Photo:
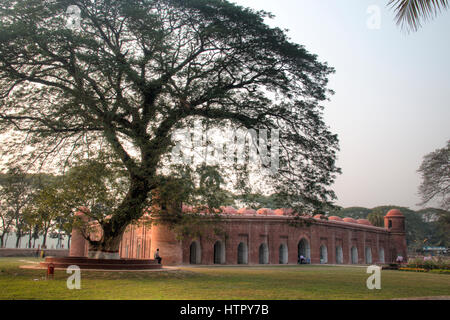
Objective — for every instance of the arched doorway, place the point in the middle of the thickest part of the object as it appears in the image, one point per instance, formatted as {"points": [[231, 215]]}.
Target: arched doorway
{"points": [[303, 249], [195, 253], [283, 254], [339, 255], [263, 254], [242, 253], [219, 252], [323, 254], [381, 255], [368, 254], [354, 255]]}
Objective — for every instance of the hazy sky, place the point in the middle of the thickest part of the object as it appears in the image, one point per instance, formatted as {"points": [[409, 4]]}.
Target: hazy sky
{"points": [[392, 100]]}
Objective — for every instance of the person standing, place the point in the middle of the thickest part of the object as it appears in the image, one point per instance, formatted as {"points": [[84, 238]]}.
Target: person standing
{"points": [[157, 256]]}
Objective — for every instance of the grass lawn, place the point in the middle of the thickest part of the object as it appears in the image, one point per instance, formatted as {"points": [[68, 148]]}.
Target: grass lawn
{"points": [[220, 283]]}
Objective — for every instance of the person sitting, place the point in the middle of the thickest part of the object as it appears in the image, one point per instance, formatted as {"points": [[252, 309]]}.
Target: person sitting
{"points": [[157, 256], [302, 259]]}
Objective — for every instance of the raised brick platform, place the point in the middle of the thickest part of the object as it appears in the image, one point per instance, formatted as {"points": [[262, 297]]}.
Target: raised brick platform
{"points": [[102, 264]]}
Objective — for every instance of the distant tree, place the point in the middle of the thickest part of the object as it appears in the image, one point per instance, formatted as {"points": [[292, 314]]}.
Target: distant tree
{"points": [[376, 218], [443, 226], [410, 13], [352, 212], [6, 222], [137, 70], [16, 193], [435, 172]]}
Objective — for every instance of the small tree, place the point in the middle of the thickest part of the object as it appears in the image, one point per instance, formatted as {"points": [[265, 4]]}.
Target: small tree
{"points": [[16, 192], [6, 223]]}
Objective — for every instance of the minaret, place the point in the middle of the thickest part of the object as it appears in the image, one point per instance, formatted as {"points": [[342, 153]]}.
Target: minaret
{"points": [[394, 222], [78, 244]]}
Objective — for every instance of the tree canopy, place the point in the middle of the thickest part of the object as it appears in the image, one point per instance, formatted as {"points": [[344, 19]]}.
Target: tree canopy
{"points": [[137, 70], [435, 172], [411, 13]]}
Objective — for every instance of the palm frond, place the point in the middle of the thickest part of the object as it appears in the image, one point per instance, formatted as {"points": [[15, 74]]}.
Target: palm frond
{"points": [[410, 13]]}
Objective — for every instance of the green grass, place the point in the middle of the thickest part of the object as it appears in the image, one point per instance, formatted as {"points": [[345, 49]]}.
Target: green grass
{"points": [[220, 283]]}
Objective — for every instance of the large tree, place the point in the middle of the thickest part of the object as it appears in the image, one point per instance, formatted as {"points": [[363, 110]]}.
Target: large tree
{"points": [[136, 70], [435, 173]]}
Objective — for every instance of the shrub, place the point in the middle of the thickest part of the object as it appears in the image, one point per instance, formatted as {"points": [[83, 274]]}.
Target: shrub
{"points": [[413, 269], [434, 263]]}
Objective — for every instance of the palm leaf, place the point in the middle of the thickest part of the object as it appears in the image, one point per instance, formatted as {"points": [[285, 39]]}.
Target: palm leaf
{"points": [[410, 13]]}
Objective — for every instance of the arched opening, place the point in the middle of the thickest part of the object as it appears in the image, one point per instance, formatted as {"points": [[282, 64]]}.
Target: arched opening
{"points": [[242, 253], [381, 254], [263, 254], [323, 254], [354, 255], [339, 255], [219, 252], [283, 254], [195, 256], [368, 254], [303, 250], [138, 251]]}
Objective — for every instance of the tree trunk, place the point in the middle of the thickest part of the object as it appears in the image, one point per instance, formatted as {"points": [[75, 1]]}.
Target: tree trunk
{"points": [[18, 237], [106, 249], [112, 231], [44, 240], [29, 238], [1, 240], [68, 241]]}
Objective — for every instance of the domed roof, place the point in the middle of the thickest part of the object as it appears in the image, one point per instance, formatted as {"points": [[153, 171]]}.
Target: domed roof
{"points": [[246, 211], [348, 219], [264, 211], [228, 210], [364, 221], [394, 213], [335, 218], [319, 216], [186, 208], [283, 211]]}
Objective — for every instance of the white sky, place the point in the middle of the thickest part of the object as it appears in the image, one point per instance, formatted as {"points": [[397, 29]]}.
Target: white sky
{"points": [[392, 101]]}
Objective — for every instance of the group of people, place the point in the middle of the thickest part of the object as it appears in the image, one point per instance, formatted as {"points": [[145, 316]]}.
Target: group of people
{"points": [[303, 260]]}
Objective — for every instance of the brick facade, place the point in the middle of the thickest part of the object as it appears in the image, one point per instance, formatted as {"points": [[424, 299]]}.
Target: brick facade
{"points": [[256, 238]]}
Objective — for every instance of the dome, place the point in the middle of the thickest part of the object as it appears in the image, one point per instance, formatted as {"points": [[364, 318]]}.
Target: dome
{"points": [[283, 212], [335, 218], [364, 221], [394, 213], [348, 219], [264, 211], [246, 211], [228, 210]]}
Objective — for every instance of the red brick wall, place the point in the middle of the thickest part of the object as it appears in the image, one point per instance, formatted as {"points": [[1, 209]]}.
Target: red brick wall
{"points": [[142, 241]]}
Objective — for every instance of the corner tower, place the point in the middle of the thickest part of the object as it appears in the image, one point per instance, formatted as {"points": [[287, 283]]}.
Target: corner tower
{"points": [[394, 222]]}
